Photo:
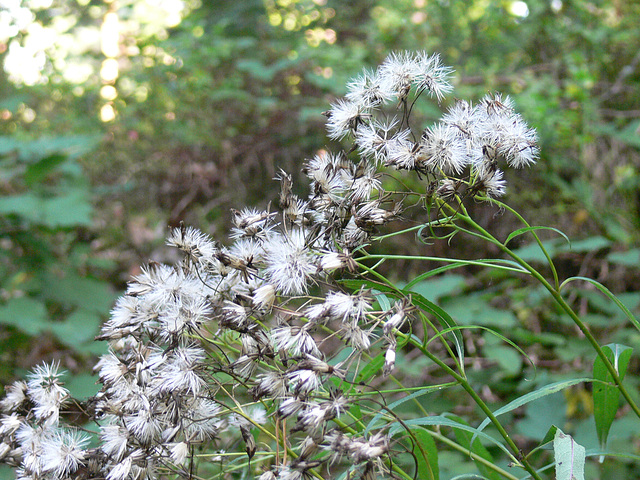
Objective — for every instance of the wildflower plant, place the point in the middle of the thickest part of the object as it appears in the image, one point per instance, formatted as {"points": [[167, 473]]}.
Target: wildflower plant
{"points": [[271, 354]]}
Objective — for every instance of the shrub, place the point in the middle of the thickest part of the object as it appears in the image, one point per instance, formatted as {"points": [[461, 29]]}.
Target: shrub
{"points": [[276, 356]]}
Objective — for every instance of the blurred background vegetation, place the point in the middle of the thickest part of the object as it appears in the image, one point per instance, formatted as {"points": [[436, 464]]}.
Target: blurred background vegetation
{"points": [[119, 118]]}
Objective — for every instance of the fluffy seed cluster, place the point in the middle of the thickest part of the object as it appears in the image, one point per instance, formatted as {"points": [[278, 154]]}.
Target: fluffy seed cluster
{"points": [[256, 341]]}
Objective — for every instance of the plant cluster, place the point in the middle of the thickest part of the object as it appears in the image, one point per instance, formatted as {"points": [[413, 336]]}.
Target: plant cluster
{"points": [[274, 355]]}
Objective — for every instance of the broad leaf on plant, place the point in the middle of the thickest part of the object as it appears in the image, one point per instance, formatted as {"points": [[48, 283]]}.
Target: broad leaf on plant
{"points": [[569, 457], [605, 395]]}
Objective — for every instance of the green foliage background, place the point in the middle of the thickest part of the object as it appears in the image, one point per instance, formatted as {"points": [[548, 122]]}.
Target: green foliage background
{"points": [[208, 112]]}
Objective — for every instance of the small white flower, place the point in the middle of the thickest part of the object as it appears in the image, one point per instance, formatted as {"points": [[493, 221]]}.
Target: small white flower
{"points": [[179, 452], [362, 450], [489, 181], [64, 452], [443, 150], [257, 415], [373, 139], [144, 425], [114, 441], [268, 475], [345, 117], [111, 369], [290, 406], [304, 381], [353, 236], [290, 263], [16, 394], [9, 424], [389, 359], [356, 337], [398, 72], [432, 75], [362, 182], [183, 318], [202, 420], [245, 365], [251, 223], [121, 470], [178, 374], [367, 90], [264, 296], [271, 384], [45, 389], [402, 152], [192, 241], [518, 144], [295, 340], [288, 473]]}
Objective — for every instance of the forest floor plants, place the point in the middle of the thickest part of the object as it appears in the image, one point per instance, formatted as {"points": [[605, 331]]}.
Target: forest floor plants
{"points": [[273, 354]]}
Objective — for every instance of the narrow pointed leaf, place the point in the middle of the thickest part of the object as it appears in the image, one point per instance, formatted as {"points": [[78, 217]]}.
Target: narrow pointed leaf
{"points": [[469, 476], [531, 396], [464, 438], [521, 231], [397, 427], [445, 321], [547, 441], [392, 406], [609, 295]]}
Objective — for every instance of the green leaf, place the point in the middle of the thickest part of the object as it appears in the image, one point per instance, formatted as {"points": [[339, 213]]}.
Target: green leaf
{"points": [[38, 171], [382, 299], [470, 476], [533, 253], [82, 386], [590, 244], [73, 290], [397, 403], [531, 396], [397, 427], [546, 442], [605, 395], [68, 210], [374, 366], [432, 273], [440, 287], [475, 309], [26, 314], [464, 438], [444, 319], [78, 329], [26, 205], [630, 258], [33, 150], [509, 360], [426, 454], [608, 294], [521, 231], [356, 285], [569, 457]]}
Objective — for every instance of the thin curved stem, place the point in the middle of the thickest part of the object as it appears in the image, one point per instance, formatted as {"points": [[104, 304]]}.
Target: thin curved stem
{"points": [[557, 296], [464, 383], [537, 239]]}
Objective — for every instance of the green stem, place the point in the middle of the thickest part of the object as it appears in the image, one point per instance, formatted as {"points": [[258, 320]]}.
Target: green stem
{"points": [[474, 456], [390, 284], [478, 263], [537, 239], [518, 457], [555, 293], [463, 382]]}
